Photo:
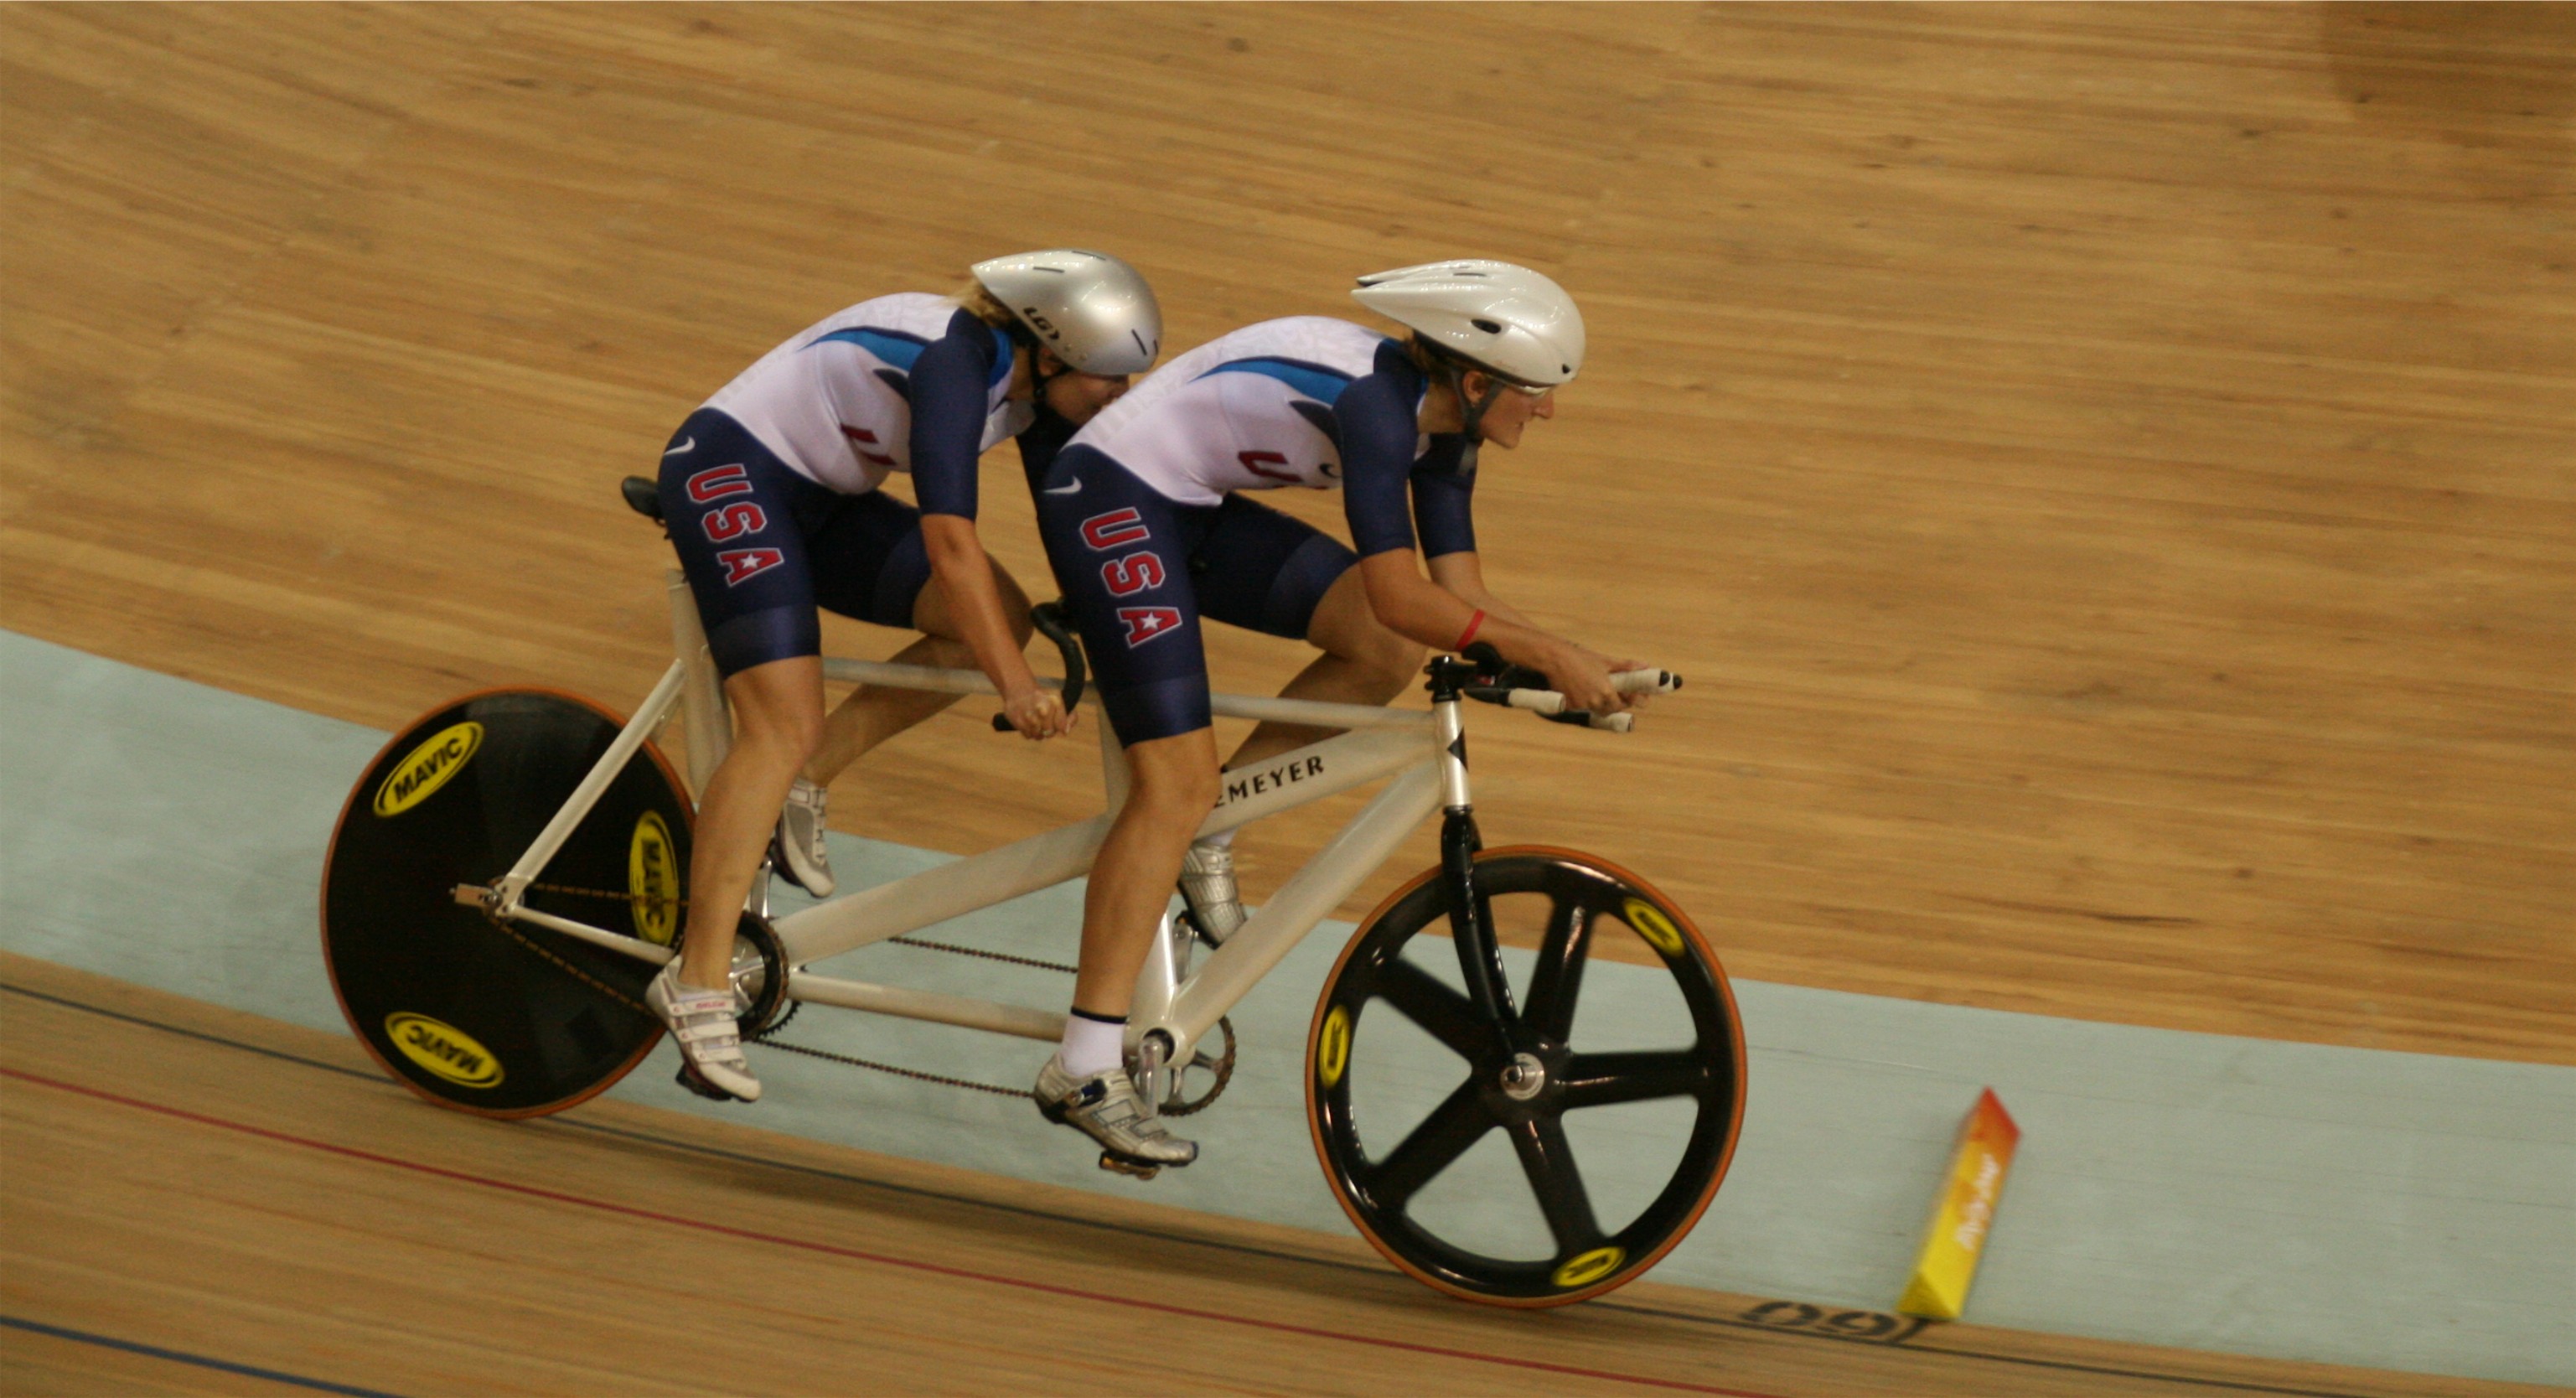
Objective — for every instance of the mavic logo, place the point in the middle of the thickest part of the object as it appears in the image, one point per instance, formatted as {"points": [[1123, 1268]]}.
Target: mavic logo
{"points": [[427, 768], [443, 1049]]}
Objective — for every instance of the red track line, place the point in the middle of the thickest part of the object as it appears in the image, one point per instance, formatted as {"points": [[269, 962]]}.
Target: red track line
{"points": [[881, 1259]]}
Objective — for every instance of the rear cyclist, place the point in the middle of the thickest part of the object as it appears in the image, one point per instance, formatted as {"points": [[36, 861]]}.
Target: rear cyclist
{"points": [[770, 492], [1148, 529]]}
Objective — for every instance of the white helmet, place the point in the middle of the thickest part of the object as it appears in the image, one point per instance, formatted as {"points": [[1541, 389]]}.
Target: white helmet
{"points": [[1093, 310], [1496, 316]]}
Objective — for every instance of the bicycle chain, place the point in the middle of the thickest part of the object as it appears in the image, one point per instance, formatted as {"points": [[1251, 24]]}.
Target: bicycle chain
{"points": [[1224, 1072], [586, 978], [890, 1068]]}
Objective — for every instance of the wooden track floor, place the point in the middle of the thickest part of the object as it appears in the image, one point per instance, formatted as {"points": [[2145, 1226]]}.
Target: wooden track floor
{"points": [[2105, 469], [236, 1189]]}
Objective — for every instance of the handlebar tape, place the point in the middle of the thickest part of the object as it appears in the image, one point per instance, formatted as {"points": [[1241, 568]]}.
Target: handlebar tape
{"points": [[1584, 718], [1548, 703]]}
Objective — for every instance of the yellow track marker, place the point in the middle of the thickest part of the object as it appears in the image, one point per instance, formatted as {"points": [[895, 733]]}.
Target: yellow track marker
{"points": [[1964, 1213]]}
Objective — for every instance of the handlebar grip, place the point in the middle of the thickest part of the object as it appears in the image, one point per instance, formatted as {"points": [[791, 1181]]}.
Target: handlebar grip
{"points": [[1645, 681], [1585, 718], [1537, 701]]}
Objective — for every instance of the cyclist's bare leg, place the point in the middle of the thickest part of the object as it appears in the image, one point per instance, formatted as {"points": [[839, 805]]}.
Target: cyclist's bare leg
{"points": [[1174, 785], [778, 717], [1363, 663], [871, 714]]}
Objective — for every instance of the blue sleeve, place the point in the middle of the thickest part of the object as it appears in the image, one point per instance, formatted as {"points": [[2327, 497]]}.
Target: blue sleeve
{"points": [[1444, 499], [1375, 426], [1046, 436], [950, 384]]}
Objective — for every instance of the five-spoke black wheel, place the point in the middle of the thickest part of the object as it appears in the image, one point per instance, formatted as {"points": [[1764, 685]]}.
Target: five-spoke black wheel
{"points": [[515, 1020], [1552, 1145]]}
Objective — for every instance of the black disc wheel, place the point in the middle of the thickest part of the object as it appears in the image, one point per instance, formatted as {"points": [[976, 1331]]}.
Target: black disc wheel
{"points": [[1559, 1144], [501, 1020]]}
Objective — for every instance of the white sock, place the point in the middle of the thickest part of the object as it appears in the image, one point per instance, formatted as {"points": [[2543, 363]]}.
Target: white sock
{"points": [[1223, 839], [1092, 1046]]}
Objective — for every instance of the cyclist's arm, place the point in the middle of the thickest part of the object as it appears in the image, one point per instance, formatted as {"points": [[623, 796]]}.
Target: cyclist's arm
{"points": [[1463, 577], [1423, 611], [1444, 509], [1376, 423], [950, 386]]}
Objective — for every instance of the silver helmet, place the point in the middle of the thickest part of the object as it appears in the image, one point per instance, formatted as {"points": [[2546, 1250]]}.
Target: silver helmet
{"points": [[1496, 316], [1095, 312]]}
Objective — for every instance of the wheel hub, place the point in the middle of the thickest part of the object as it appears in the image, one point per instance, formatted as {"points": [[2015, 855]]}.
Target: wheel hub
{"points": [[1524, 1077]]}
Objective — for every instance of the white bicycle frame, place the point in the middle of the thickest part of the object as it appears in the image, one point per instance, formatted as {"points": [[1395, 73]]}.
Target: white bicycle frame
{"points": [[1175, 1001]]}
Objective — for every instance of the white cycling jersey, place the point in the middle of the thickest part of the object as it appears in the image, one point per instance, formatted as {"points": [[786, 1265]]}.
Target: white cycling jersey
{"points": [[1250, 410], [835, 401]]}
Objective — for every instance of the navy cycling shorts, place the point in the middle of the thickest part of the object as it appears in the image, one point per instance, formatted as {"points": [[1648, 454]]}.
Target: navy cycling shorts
{"points": [[1140, 570], [764, 546]]}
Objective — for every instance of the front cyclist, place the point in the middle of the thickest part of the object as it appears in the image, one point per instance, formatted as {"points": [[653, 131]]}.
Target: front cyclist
{"points": [[770, 492], [1148, 529]]}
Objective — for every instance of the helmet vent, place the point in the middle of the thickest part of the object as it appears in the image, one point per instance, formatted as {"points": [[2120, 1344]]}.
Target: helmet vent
{"points": [[1490, 327]]}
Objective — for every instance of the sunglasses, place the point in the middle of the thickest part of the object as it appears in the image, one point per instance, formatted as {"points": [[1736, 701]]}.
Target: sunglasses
{"points": [[1526, 390]]}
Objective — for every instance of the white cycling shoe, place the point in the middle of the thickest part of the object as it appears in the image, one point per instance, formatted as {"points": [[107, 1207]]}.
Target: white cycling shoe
{"points": [[801, 854], [1207, 888], [1106, 1108], [702, 1022]]}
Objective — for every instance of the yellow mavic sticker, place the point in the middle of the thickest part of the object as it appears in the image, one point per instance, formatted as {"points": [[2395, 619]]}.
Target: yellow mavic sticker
{"points": [[1333, 1047], [1588, 1268], [426, 768], [653, 880], [444, 1049], [1651, 924]]}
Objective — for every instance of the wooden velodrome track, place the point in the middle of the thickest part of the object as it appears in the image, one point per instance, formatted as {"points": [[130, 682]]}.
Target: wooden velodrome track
{"points": [[2105, 471]]}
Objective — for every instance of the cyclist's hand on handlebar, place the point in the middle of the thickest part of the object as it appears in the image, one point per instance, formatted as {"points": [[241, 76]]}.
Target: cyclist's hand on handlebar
{"points": [[1636, 698], [1583, 677], [1038, 714]]}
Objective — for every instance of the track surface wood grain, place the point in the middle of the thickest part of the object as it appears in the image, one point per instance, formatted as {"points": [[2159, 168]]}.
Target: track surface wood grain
{"points": [[2104, 469], [207, 1182]]}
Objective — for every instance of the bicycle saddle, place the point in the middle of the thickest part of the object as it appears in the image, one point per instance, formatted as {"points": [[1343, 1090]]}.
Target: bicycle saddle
{"points": [[642, 496]]}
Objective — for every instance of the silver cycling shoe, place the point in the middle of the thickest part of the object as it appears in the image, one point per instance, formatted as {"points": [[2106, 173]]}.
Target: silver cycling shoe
{"points": [[1207, 887], [703, 1023], [799, 846], [1106, 1108]]}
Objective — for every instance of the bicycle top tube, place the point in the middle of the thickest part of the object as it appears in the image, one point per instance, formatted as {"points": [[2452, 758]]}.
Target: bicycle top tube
{"points": [[1312, 712]]}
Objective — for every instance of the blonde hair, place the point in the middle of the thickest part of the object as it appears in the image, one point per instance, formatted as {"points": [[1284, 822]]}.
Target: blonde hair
{"points": [[1438, 361], [975, 301]]}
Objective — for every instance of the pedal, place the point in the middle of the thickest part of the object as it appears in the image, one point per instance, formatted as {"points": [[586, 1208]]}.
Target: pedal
{"points": [[688, 1078], [1121, 1165]]}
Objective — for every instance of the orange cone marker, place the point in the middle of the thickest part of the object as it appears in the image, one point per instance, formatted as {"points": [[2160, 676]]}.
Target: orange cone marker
{"points": [[1964, 1214]]}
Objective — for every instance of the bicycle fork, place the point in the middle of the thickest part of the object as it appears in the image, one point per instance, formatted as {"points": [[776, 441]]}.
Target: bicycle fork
{"points": [[1471, 928]]}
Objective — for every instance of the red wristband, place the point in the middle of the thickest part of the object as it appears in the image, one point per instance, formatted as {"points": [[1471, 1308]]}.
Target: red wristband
{"points": [[1474, 623]]}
